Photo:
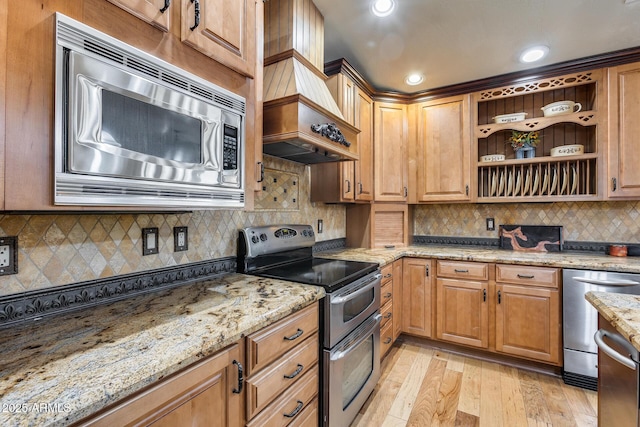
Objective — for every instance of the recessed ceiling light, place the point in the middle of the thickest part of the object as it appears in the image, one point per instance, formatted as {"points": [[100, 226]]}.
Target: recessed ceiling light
{"points": [[534, 54], [382, 7], [414, 79]]}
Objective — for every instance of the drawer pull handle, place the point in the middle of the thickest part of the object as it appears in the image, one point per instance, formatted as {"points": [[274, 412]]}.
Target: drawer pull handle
{"points": [[196, 15], [295, 373], [388, 315], [240, 377], [295, 411], [388, 295], [388, 276], [526, 276], [294, 336], [461, 271], [388, 340]]}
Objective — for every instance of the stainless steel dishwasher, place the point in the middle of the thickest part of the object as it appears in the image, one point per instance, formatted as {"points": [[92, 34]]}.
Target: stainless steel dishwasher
{"points": [[580, 320]]}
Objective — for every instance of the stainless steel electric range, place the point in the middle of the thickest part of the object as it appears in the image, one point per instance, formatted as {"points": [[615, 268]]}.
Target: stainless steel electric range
{"points": [[349, 315]]}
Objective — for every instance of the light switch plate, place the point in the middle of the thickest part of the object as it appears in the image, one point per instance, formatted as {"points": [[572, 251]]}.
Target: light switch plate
{"points": [[150, 241], [180, 239]]}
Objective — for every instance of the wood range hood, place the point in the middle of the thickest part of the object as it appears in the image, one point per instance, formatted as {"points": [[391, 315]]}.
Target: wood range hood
{"points": [[301, 122]]}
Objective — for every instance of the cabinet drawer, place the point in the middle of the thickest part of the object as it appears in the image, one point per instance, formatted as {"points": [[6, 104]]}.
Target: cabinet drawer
{"points": [[280, 412], [286, 371], [386, 293], [387, 273], [387, 313], [308, 417], [264, 346], [386, 339], [463, 270], [526, 275]]}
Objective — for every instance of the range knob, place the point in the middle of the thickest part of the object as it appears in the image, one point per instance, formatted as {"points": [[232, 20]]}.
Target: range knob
{"points": [[254, 239], [305, 232], [263, 237], [311, 233]]}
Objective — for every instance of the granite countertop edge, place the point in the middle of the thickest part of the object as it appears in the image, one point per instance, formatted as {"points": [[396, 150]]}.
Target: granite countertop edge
{"points": [[621, 310], [85, 361], [578, 260]]}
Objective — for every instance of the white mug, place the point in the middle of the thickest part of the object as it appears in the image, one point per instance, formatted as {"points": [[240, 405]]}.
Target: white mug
{"points": [[561, 107]]}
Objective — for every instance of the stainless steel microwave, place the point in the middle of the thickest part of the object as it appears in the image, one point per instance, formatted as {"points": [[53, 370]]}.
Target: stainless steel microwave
{"points": [[133, 130]]}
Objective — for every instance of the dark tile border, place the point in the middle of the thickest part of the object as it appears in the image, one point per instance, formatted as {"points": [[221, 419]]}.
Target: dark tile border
{"points": [[329, 245], [568, 246], [33, 305]]}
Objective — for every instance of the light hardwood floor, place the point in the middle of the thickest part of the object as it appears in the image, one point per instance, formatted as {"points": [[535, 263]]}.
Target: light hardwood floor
{"points": [[422, 386]]}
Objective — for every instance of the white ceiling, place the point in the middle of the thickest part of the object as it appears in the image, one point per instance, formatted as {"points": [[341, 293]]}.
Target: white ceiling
{"points": [[456, 41]]}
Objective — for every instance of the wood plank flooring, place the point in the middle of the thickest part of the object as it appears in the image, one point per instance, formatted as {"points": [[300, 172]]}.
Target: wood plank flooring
{"points": [[422, 386]]}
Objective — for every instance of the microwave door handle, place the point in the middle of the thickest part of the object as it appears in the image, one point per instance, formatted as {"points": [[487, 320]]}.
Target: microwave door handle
{"points": [[602, 282], [599, 338], [342, 299], [344, 353]]}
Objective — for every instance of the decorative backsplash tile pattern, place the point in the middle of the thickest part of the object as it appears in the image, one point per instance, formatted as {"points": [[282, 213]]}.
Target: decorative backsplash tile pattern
{"points": [[582, 221], [59, 249]]}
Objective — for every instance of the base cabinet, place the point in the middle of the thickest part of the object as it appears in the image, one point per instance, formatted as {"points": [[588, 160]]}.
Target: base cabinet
{"points": [[204, 395], [418, 296]]}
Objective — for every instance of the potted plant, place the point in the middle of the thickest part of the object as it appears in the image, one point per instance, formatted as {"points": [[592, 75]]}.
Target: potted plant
{"points": [[524, 143]]}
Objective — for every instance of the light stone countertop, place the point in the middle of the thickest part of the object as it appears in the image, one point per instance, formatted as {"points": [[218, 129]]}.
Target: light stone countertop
{"points": [[584, 261], [621, 310], [80, 362]]}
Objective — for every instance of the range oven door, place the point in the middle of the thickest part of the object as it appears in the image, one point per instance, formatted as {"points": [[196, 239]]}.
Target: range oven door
{"points": [[351, 372], [348, 307]]}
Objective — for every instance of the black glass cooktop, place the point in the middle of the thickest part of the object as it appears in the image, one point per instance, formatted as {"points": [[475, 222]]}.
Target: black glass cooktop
{"points": [[332, 274]]}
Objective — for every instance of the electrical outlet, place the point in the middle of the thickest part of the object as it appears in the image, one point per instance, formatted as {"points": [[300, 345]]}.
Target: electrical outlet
{"points": [[150, 241], [180, 239], [8, 255], [491, 224], [320, 226]]}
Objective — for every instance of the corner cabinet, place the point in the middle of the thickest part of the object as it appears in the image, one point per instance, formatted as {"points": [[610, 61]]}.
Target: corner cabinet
{"points": [[549, 176], [390, 152], [440, 146], [624, 132], [349, 181]]}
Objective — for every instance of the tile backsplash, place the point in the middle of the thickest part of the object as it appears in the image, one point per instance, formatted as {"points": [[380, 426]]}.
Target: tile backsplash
{"points": [[58, 249], [582, 221]]}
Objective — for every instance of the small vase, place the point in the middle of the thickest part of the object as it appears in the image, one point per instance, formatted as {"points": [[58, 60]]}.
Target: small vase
{"points": [[526, 152]]}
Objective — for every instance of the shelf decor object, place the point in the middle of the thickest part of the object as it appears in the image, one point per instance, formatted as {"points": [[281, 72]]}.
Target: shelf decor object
{"points": [[567, 150], [524, 143], [510, 118], [561, 107]]}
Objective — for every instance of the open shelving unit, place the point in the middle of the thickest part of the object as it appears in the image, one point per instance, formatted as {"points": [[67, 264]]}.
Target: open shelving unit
{"points": [[542, 178]]}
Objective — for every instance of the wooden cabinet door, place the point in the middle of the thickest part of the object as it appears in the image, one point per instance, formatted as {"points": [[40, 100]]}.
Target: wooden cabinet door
{"points": [[528, 322], [364, 167], [223, 30], [397, 298], [624, 132], [390, 147], [154, 12], [443, 167], [417, 296], [200, 396], [463, 312]]}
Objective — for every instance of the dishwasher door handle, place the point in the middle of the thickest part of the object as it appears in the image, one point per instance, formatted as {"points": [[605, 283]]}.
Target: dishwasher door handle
{"points": [[602, 282], [624, 360]]}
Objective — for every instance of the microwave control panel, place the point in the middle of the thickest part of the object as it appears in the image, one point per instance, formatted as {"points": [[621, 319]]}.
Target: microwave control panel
{"points": [[230, 148]]}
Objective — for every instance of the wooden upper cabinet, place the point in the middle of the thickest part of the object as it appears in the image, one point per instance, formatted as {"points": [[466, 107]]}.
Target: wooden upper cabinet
{"points": [[351, 180], [364, 167], [223, 30], [442, 147], [154, 12], [390, 152], [624, 132]]}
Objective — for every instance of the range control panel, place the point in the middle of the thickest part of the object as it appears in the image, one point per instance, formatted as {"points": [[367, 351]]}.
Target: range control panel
{"points": [[276, 238]]}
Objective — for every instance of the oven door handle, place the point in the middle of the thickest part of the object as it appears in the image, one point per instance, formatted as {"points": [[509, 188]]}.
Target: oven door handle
{"points": [[339, 299], [626, 361], [344, 353]]}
